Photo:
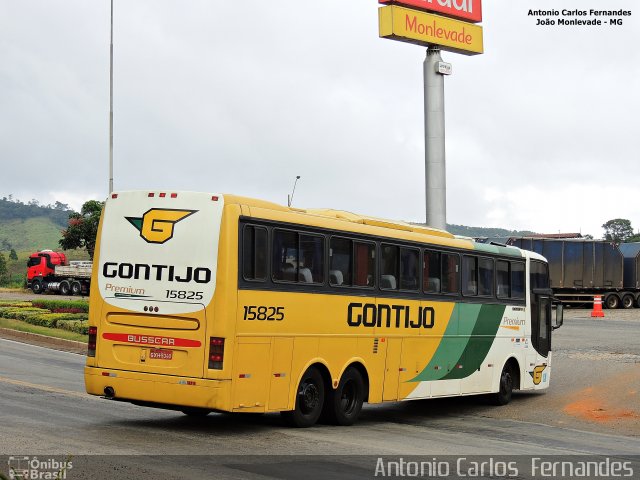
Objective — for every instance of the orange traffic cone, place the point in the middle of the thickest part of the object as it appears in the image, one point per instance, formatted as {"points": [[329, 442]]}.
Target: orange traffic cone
{"points": [[597, 307]]}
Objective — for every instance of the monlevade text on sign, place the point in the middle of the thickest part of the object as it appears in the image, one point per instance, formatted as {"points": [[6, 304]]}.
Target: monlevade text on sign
{"points": [[426, 29]]}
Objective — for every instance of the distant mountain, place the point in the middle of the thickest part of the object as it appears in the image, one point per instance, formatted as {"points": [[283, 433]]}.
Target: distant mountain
{"points": [[31, 226], [486, 232]]}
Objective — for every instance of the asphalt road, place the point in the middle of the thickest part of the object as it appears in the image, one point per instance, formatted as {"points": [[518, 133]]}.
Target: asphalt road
{"points": [[591, 408]]}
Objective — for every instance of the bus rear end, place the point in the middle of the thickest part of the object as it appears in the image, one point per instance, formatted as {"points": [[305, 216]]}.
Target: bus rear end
{"points": [[154, 278]]}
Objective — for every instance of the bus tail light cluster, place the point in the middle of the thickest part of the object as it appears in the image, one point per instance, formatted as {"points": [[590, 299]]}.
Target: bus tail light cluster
{"points": [[91, 344], [216, 353]]}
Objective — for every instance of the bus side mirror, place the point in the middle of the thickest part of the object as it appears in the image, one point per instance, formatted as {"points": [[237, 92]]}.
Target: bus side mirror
{"points": [[558, 320]]}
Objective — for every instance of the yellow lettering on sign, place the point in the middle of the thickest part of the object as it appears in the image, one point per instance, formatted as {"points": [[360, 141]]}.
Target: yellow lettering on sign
{"points": [[426, 29]]}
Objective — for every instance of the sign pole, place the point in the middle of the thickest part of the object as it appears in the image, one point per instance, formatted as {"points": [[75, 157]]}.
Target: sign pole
{"points": [[435, 167]]}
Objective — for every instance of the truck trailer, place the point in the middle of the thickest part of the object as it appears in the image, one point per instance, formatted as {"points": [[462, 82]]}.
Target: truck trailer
{"points": [[579, 269]]}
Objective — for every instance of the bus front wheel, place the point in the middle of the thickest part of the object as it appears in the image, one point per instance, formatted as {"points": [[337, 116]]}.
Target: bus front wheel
{"points": [[503, 396], [309, 400], [343, 404]]}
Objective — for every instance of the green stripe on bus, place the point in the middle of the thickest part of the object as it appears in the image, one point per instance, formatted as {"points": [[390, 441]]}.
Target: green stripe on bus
{"points": [[453, 344], [477, 348]]}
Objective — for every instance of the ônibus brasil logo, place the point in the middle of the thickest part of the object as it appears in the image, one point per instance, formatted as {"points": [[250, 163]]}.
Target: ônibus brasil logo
{"points": [[156, 225]]}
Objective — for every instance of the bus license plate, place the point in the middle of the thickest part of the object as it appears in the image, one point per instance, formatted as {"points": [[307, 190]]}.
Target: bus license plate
{"points": [[160, 354]]}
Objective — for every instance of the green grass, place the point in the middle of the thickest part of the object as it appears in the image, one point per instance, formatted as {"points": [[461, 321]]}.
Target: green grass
{"points": [[31, 234], [49, 332]]}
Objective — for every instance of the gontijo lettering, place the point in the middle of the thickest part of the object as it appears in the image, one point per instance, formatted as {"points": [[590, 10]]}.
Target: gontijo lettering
{"points": [[390, 316]]}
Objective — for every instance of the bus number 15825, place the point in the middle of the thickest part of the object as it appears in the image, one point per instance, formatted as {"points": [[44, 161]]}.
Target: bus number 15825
{"points": [[254, 312]]}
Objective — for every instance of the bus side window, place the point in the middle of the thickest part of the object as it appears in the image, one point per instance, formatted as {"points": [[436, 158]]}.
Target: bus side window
{"points": [[431, 272], [517, 280], [340, 261], [503, 277], [311, 259], [450, 273], [485, 277], [284, 267], [389, 267], [364, 264], [409, 259], [254, 253], [469, 275]]}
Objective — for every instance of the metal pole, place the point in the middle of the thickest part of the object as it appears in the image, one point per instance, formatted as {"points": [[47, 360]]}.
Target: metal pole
{"points": [[111, 105], [435, 166], [290, 197]]}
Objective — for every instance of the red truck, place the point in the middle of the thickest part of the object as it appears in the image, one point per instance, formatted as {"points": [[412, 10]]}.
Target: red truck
{"points": [[49, 271]]}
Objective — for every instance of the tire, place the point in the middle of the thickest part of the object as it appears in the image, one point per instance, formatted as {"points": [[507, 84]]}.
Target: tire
{"points": [[309, 400], [628, 301], [76, 288], [36, 287], [64, 288], [503, 396], [612, 302], [343, 405], [196, 412]]}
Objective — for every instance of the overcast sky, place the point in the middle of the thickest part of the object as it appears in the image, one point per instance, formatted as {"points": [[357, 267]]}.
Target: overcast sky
{"points": [[542, 131]]}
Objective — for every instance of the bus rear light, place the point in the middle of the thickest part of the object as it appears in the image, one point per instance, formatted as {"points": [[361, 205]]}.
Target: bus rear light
{"points": [[114, 195], [162, 195], [216, 353], [91, 344], [174, 195], [214, 198], [151, 195]]}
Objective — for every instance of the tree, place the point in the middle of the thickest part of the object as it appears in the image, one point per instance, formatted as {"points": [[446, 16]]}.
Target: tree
{"points": [[3, 269], [82, 229], [617, 230], [13, 255]]}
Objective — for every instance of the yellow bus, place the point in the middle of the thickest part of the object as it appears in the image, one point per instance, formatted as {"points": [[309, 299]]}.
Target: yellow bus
{"points": [[206, 302]]}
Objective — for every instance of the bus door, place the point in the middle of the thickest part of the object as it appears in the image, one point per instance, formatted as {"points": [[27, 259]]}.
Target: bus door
{"points": [[541, 321], [541, 296]]}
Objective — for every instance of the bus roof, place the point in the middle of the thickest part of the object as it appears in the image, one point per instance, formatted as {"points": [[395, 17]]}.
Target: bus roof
{"points": [[359, 223]]}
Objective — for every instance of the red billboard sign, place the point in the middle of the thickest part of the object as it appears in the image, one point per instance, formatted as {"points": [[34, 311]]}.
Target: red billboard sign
{"points": [[468, 10]]}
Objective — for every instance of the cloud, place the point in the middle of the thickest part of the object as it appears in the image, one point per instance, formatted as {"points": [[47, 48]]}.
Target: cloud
{"points": [[243, 96]]}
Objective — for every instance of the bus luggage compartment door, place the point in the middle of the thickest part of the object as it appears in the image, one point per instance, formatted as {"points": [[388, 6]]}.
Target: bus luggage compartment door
{"points": [[251, 374]]}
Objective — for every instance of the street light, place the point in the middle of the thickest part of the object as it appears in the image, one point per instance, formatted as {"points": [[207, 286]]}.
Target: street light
{"points": [[290, 197], [111, 105]]}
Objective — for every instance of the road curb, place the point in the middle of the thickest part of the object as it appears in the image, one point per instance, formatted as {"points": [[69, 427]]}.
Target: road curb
{"points": [[44, 341]]}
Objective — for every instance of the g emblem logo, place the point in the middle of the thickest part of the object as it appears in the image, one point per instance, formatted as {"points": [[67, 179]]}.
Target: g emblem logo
{"points": [[537, 374], [156, 225]]}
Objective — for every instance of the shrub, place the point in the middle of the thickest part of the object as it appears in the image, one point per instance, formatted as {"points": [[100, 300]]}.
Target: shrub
{"points": [[54, 305], [77, 326]]}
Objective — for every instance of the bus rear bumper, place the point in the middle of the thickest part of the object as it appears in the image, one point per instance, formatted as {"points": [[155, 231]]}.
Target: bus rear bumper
{"points": [[166, 390]]}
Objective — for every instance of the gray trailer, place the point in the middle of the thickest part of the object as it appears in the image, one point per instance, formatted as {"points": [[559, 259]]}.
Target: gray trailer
{"points": [[580, 269], [631, 254]]}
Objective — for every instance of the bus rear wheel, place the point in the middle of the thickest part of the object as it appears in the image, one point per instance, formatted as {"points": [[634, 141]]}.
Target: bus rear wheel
{"points": [[309, 400], [343, 404], [503, 396]]}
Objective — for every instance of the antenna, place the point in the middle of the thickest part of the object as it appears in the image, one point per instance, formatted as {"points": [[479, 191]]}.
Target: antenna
{"points": [[290, 197]]}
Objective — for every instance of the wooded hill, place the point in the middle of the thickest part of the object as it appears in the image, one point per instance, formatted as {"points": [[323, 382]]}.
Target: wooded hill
{"points": [[31, 226]]}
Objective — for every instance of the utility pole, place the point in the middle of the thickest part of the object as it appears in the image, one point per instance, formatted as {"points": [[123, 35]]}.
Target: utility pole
{"points": [[435, 161]]}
